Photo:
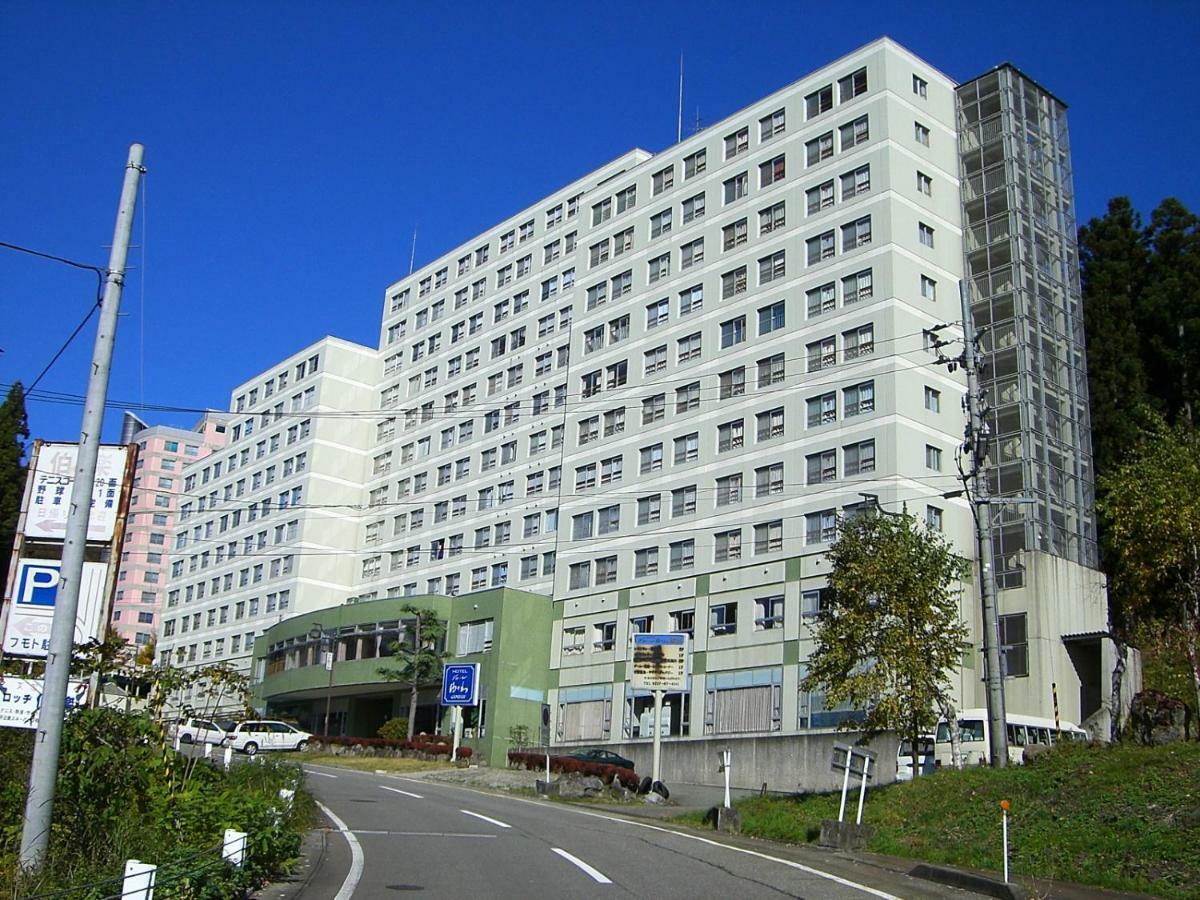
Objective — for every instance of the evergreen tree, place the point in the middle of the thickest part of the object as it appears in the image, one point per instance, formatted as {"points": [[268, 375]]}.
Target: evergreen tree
{"points": [[1114, 261], [1169, 314], [14, 432]]}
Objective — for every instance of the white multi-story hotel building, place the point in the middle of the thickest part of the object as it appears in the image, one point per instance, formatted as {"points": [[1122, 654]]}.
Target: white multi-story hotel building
{"points": [[651, 395]]}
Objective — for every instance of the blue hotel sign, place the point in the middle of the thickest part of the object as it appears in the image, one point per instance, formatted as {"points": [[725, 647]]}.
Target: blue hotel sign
{"points": [[460, 684]]}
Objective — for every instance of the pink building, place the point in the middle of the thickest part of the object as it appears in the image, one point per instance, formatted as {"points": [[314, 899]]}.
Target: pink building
{"points": [[163, 453]]}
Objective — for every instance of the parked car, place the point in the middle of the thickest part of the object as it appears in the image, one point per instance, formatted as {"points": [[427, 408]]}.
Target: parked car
{"points": [[605, 757], [260, 734], [198, 731], [904, 769]]}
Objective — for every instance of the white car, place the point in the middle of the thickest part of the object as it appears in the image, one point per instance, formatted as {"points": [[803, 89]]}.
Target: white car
{"points": [[199, 731], [263, 734]]}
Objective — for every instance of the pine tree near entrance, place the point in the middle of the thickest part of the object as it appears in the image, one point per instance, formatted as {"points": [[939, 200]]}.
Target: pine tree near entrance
{"points": [[419, 655]]}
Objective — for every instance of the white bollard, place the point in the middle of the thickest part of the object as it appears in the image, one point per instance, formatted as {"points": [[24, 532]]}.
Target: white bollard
{"points": [[1004, 804], [726, 756], [233, 848], [862, 790], [139, 880], [207, 749], [177, 742], [228, 758]]}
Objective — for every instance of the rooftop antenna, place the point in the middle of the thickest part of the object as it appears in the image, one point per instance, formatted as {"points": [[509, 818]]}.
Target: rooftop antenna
{"points": [[697, 129], [679, 120], [412, 256]]}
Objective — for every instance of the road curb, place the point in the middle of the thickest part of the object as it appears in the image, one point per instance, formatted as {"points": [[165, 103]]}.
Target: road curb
{"points": [[979, 884]]}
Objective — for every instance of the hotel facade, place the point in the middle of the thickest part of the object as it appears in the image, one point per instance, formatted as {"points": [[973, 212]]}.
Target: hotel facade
{"points": [[651, 397]]}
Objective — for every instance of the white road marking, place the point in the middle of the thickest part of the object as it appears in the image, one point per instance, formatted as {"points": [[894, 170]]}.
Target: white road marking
{"points": [[356, 855], [597, 876], [495, 822], [845, 882], [440, 834], [405, 793], [323, 774]]}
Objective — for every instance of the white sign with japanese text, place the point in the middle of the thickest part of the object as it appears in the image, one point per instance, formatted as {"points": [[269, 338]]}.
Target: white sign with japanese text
{"points": [[35, 594], [50, 494], [21, 700]]}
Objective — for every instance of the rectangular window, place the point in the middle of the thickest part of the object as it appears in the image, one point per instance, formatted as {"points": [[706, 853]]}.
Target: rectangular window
{"points": [[691, 300], [1014, 646], [733, 332], [645, 562], [731, 436], [771, 171], [924, 184], [732, 383], [687, 397], [822, 410], [854, 133], [689, 348], [819, 101], [736, 187], [649, 509], [821, 247], [858, 342], [733, 283], [772, 218], [921, 133], [820, 527], [857, 287], [650, 459], [693, 208], [687, 448], [933, 518], [768, 537], [768, 480], [771, 370], [822, 354], [933, 458], [856, 234], [768, 613], [729, 490], [769, 424], [819, 198], [770, 126], [853, 85], [818, 149], [736, 143], [925, 233], [856, 182], [662, 181], [858, 399], [858, 459], [772, 268], [933, 399], [928, 288], [660, 223], [727, 545], [691, 254], [683, 555], [654, 408], [695, 164], [821, 467], [683, 501], [920, 87], [821, 299]]}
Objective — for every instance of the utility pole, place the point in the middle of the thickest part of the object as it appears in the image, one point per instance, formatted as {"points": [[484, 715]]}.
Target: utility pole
{"points": [[978, 492], [43, 775], [976, 449]]}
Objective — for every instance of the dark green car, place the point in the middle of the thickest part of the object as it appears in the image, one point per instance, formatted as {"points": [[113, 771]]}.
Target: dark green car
{"points": [[605, 757]]}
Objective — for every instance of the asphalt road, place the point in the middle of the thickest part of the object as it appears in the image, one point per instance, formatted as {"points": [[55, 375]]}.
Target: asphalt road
{"points": [[413, 836]]}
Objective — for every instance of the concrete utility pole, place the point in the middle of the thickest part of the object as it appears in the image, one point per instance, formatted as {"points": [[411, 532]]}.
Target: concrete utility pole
{"points": [[43, 774], [976, 447]]}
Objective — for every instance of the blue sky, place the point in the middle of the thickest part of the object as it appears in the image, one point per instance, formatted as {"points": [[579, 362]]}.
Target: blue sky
{"points": [[293, 147]]}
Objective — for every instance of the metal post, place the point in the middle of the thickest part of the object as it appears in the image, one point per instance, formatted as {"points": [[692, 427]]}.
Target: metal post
{"points": [[862, 789], [1004, 804], [332, 651], [997, 732], [845, 786], [39, 807], [726, 756], [658, 699], [456, 731]]}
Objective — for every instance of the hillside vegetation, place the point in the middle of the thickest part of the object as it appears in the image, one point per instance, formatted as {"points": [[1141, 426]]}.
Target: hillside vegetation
{"points": [[1123, 817]]}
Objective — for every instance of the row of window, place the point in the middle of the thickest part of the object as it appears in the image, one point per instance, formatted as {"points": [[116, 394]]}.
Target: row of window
{"points": [[278, 382], [214, 649]]}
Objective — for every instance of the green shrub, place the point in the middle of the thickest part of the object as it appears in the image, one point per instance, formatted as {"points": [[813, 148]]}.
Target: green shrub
{"points": [[394, 729]]}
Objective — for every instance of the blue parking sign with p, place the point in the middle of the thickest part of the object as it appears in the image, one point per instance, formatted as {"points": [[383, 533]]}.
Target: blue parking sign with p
{"points": [[38, 584], [460, 684]]}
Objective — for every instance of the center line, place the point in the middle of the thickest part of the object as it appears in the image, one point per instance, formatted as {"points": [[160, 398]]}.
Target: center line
{"points": [[322, 774], [598, 876], [495, 822], [405, 793]]}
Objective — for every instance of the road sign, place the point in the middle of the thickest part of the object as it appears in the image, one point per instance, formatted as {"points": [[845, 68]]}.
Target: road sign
{"points": [[460, 684], [659, 662], [21, 700], [52, 480], [35, 592]]}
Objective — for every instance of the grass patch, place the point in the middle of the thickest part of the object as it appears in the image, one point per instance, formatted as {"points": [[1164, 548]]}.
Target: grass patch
{"points": [[1122, 817], [369, 763]]}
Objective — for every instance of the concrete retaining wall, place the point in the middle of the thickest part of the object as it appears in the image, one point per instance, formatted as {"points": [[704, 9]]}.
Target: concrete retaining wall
{"points": [[787, 763]]}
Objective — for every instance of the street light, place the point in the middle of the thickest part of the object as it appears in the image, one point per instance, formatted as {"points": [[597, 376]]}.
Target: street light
{"points": [[318, 633]]}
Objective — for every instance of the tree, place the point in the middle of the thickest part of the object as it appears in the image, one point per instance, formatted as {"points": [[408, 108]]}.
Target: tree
{"points": [[14, 432], [891, 634], [1152, 506], [1113, 269], [1169, 314], [420, 658]]}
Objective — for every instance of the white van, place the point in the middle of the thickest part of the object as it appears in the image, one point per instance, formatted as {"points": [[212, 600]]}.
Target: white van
{"points": [[925, 758], [250, 737], [1023, 731]]}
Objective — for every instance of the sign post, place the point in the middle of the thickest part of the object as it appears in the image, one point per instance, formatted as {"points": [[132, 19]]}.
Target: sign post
{"points": [[460, 687], [857, 761], [659, 664]]}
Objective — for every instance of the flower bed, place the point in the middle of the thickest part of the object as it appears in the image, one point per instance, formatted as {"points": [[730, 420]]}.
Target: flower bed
{"points": [[425, 746], [569, 765]]}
